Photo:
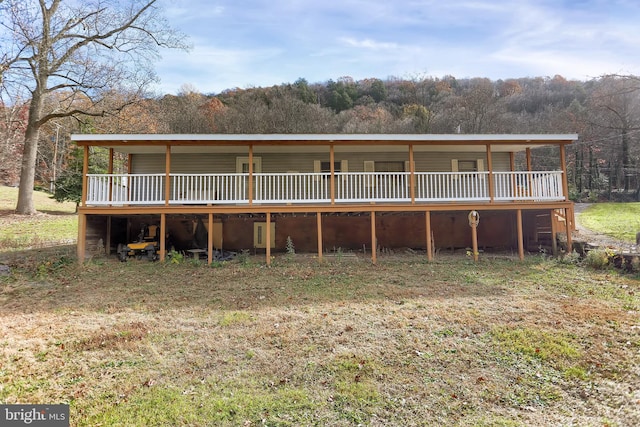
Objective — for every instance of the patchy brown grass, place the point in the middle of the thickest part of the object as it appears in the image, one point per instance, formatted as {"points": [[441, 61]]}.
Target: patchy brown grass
{"points": [[404, 342], [55, 223]]}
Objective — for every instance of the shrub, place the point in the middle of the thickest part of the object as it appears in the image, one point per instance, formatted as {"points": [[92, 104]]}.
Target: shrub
{"points": [[598, 259]]}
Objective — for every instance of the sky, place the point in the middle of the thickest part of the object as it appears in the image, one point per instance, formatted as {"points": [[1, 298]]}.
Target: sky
{"points": [[261, 43]]}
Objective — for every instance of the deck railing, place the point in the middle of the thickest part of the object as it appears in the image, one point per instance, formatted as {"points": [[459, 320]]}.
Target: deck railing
{"points": [[528, 186], [292, 187], [209, 188], [452, 186], [131, 189], [372, 187], [349, 187]]}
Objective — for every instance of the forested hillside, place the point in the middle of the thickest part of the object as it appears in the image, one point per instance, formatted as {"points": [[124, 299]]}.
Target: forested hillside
{"points": [[605, 112]]}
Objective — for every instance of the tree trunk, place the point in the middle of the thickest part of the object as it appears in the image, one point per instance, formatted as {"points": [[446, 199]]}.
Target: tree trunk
{"points": [[25, 204], [592, 170], [625, 160], [579, 170]]}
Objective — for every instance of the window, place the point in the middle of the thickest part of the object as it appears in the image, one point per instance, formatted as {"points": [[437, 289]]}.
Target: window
{"points": [[242, 164], [389, 166], [322, 167], [467, 166], [326, 167]]}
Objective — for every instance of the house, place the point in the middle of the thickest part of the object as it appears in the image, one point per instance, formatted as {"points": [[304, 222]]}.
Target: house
{"points": [[326, 192]]}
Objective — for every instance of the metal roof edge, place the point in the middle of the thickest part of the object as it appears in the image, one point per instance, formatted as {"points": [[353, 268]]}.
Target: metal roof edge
{"points": [[325, 137]]}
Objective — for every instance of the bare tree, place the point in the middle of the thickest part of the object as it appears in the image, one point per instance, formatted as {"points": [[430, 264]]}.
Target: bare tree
{"points": [[84, 50], [12, 121], [615, 108]]}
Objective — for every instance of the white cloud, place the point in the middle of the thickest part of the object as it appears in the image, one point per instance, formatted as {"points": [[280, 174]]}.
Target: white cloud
{"points": [[367, 44], [266, 42]]}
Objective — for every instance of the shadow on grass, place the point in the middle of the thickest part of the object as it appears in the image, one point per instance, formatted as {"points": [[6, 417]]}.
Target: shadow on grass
{"points": [[53, 212], [57, 213], [51, 280]]}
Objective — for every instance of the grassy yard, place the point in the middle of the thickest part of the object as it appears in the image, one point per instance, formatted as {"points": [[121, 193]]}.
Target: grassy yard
{"points": [[54, 223], [619, 220], [405, 342]]}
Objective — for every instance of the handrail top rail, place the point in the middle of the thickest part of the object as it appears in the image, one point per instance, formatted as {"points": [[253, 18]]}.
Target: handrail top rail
{"points": [[322, 173]]}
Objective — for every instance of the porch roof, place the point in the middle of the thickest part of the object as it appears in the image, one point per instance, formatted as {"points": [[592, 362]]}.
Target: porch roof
{"points": [[156, 143]]}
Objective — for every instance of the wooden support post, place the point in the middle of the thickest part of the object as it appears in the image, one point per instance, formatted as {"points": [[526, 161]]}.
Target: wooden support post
{"points": [[319, 222], [529, 189], [490, 168], [167, 177], [572, 216], [163, 240], [107, 240], [332, 177], [412, 176], [268, 236], [427, 218], [82, 237], [520, 235], [568, 229], [474, 241], [110, 167], [474, 219], [210, 241], [554, 233], [512, 168], [374, 246], [565, 180], [129, 171], [85, 180], [110, 172], [251, 176]]}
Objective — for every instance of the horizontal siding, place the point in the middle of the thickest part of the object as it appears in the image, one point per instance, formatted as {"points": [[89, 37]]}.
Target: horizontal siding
{"points": [[303, 162]]}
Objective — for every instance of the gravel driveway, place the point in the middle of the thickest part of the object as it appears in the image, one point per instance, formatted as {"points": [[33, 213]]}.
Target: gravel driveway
{"points": [[583, 233]]}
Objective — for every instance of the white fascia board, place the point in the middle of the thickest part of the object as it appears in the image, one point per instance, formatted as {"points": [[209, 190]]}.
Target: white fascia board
{"points": [[477, 138]]}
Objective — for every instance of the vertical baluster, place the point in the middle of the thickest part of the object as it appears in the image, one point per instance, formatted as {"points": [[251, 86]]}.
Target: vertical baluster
{"points": [[323, 185], [285, 187], [448, 183], [473, 184], [175, 188], [140, 183], [268, 187]]}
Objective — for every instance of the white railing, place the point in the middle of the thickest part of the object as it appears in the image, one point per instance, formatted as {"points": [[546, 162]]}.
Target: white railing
{"points": [[118, 189], [292, 187], [349, 187], [452, 186], [209, 188], [528, 186], [372, 187]]}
